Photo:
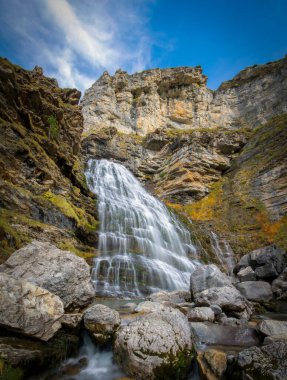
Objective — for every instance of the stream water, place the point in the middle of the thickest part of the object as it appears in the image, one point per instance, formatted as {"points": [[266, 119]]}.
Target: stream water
{"points": [[143, 248]]}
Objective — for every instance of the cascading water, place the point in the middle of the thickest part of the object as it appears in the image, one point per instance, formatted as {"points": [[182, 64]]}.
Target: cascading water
{"points": [[142, 246]]}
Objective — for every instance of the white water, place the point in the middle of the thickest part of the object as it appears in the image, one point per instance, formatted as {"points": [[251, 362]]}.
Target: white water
{"points": [[142, 246], [223, 252]]}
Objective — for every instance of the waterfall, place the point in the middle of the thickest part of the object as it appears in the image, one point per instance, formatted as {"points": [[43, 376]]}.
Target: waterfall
{"points": [[142, 246]]}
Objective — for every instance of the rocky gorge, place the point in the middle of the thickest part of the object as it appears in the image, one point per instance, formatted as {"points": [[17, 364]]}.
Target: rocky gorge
{"points": [[198, 275]]}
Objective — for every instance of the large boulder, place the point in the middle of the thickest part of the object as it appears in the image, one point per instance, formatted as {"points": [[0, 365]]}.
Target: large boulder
{"points": [[102, 322], [258, 291], [272, 327], [267, 362], [155, 346], [217, 334], [29, 309], [209, 286], [61, 272], [207, 276]]}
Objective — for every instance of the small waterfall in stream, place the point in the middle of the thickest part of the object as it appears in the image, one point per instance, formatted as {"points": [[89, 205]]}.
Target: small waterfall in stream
{"points": [[142, 246]]}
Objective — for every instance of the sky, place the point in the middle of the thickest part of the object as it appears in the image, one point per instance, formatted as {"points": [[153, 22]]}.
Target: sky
{"points": [[76, 40]]}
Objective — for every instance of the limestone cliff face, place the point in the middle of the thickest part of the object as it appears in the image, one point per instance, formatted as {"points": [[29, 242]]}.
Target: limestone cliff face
{"points": [[143, 102], [42, 186], [217, 157], [178, 98]]}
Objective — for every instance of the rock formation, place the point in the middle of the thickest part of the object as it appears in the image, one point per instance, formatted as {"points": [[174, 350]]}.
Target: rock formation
{"points": [[43, 190], [217, 157]]}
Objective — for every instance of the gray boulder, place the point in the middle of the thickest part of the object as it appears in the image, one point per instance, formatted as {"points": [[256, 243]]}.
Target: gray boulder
{"points": [[101, 322], [157, 345], [246, 274], [209, 286], [29, 309], [149, 307], [207, 276], [218, 334], [255, 290], [267, 256], [272, 327], [244, 262], [267, 362], [279, 286], [61, 272], [200, 314], [266, 271], [227, 297]]}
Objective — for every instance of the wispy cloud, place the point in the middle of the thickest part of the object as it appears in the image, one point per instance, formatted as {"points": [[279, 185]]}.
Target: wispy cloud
{"points": [[75, 41]]}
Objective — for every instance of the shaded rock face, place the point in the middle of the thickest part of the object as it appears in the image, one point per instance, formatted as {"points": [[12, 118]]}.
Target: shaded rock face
{"points": [[60, 272], [155, 346], [43, 190], [28, 309], [102, 323]]}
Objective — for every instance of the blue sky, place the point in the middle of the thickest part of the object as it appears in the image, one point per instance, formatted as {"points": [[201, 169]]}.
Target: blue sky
{"points": [[76, 40]]}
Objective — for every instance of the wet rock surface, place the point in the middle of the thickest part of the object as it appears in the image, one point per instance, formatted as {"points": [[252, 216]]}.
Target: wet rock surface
{"points": [[61, 272], [102, 323], [156, 345], [29, 309], [216, 334]]}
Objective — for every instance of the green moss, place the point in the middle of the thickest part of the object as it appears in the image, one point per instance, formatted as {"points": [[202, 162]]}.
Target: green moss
{"points": [[71, 211], [8, 372]]}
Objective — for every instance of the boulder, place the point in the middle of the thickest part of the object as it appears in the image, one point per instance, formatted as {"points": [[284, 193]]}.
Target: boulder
{"points": [[61, 272], [101, 322], [209, 286], [266, 271], [200, 314], [156, 346], [244, 262], [72, 321], [269, 255], [29, 309], [216, 309], [274, 338], [259, 291], [227, 297], [266, 362], [272, 327], [246, 274], [279, 286], [207, 276], [212, 363], [215, 334]]}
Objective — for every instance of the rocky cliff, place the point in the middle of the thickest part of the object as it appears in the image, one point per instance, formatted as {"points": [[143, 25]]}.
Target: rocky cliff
{"points": [[43, 189], [178, 98], [218, 157]]}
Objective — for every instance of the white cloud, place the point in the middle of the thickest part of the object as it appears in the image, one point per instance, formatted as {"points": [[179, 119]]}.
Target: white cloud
{"points": [[75, 41]]}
